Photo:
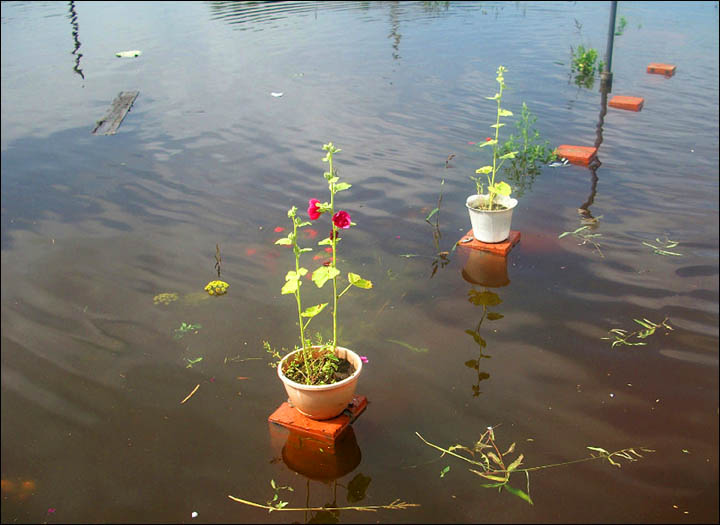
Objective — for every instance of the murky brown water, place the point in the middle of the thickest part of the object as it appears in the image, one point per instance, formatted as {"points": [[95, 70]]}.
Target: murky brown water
{"points": [[94, 227]]}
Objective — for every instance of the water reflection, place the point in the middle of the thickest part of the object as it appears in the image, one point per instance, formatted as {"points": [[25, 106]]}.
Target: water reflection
{"points": [[73, 22], [486, 270], [584, 208], [394, 31], [325, 462]]}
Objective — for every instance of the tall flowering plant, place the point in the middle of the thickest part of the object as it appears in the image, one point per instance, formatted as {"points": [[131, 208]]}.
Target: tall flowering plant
{"points": [[319, 367]]}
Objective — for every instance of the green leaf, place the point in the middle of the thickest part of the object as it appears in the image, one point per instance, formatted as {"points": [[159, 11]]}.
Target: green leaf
{"points": [[519, 493], [598, 449], [444, 471], [497, 96], [314, 310], [272, 484], [323, 274], [340, 186], [432, 213], [290, 287], [284, 241], [478, 339], [494, 316], [497, 125], [515, 464], [486, 298], [487, 143], [325, 242], [503, 188], [303, 250], [510, 155], [505, 113], [358, 281], [484, 170]]}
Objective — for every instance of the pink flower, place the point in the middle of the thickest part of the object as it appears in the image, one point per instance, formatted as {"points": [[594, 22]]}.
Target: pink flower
{"points": [[313, 209], [279, 229], [364, 359], [341, 220]]}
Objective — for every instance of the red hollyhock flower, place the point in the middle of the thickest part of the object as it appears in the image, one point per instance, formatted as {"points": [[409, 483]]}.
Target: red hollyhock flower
{"points": [[341, 220], [313, 209], [488, 139]]}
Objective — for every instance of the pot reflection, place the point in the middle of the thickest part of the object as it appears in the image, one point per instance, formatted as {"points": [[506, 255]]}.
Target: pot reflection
{"points": [[486, 269], [320, 460]]}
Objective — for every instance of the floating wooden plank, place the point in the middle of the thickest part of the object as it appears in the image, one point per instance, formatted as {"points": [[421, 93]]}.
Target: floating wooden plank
{"points": [[328, 429], [579, 155], [661, 69], [623, 102], [109, 124], [500, 248]]}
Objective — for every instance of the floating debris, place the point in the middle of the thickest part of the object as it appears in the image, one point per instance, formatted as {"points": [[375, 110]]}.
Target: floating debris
{"points": [[216, 287], [277, 95], [164, 298], [129, 54]]}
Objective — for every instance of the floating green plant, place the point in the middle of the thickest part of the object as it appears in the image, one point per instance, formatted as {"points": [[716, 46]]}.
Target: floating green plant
{"points": [[216, 287], [165, 298], [409, 346], [586, 237], [664, 250], [193, 361], [497, 467], [276, 503], [186, 328], [623, 337], [394, 505]]}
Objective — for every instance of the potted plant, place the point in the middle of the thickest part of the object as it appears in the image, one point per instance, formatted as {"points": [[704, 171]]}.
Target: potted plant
{"points": [[491, 212], [320, 378]]}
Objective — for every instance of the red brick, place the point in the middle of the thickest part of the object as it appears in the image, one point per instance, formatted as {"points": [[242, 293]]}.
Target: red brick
{"points": [[661, 69], [328, 429], [580, 155], [501, 248], [631, 103]]}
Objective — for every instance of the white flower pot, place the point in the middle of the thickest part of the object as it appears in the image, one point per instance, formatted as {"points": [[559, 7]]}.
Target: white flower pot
{"points": [[322, 401], [490, 225]]}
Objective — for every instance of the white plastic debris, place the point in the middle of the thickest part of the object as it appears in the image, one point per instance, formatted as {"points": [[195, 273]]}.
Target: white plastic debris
{"points": [[194, 514], [129, 54], [276, 95]]}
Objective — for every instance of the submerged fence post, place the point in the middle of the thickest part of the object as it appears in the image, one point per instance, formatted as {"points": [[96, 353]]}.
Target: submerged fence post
{"points": [[606, 75]]}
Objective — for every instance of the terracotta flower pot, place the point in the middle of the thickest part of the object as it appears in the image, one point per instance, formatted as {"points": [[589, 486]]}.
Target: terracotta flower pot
{"points": [[322, 401]]}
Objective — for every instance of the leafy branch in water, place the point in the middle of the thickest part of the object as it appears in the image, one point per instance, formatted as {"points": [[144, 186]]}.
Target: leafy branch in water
{"points": [[586, 237], [622, 337], [486, 455], [395, 505]]}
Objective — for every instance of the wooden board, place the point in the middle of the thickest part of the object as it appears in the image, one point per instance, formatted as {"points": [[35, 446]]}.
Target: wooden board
{"points": [[109, 124]]}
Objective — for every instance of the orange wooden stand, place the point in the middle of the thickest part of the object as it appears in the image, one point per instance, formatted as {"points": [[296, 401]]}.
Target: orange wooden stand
{"points": [[631, 103], [581, 155], [501, 248], [661, 69], [328, 429]]}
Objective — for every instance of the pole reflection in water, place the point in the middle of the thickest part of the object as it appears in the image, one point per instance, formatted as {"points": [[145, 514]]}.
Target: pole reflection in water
{"points": [[75, 31], [584, 209], [487, 270], [323, 461]]}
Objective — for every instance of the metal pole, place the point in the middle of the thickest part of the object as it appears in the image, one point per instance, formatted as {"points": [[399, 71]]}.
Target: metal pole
{"points": [[606, 76]]}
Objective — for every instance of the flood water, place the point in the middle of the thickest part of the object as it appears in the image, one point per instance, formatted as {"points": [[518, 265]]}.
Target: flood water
{"points": [[95, 227]]}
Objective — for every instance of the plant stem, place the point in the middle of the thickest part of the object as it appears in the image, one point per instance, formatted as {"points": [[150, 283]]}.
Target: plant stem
{"points": [[334, 242], [395, 505], [296, 250]]}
